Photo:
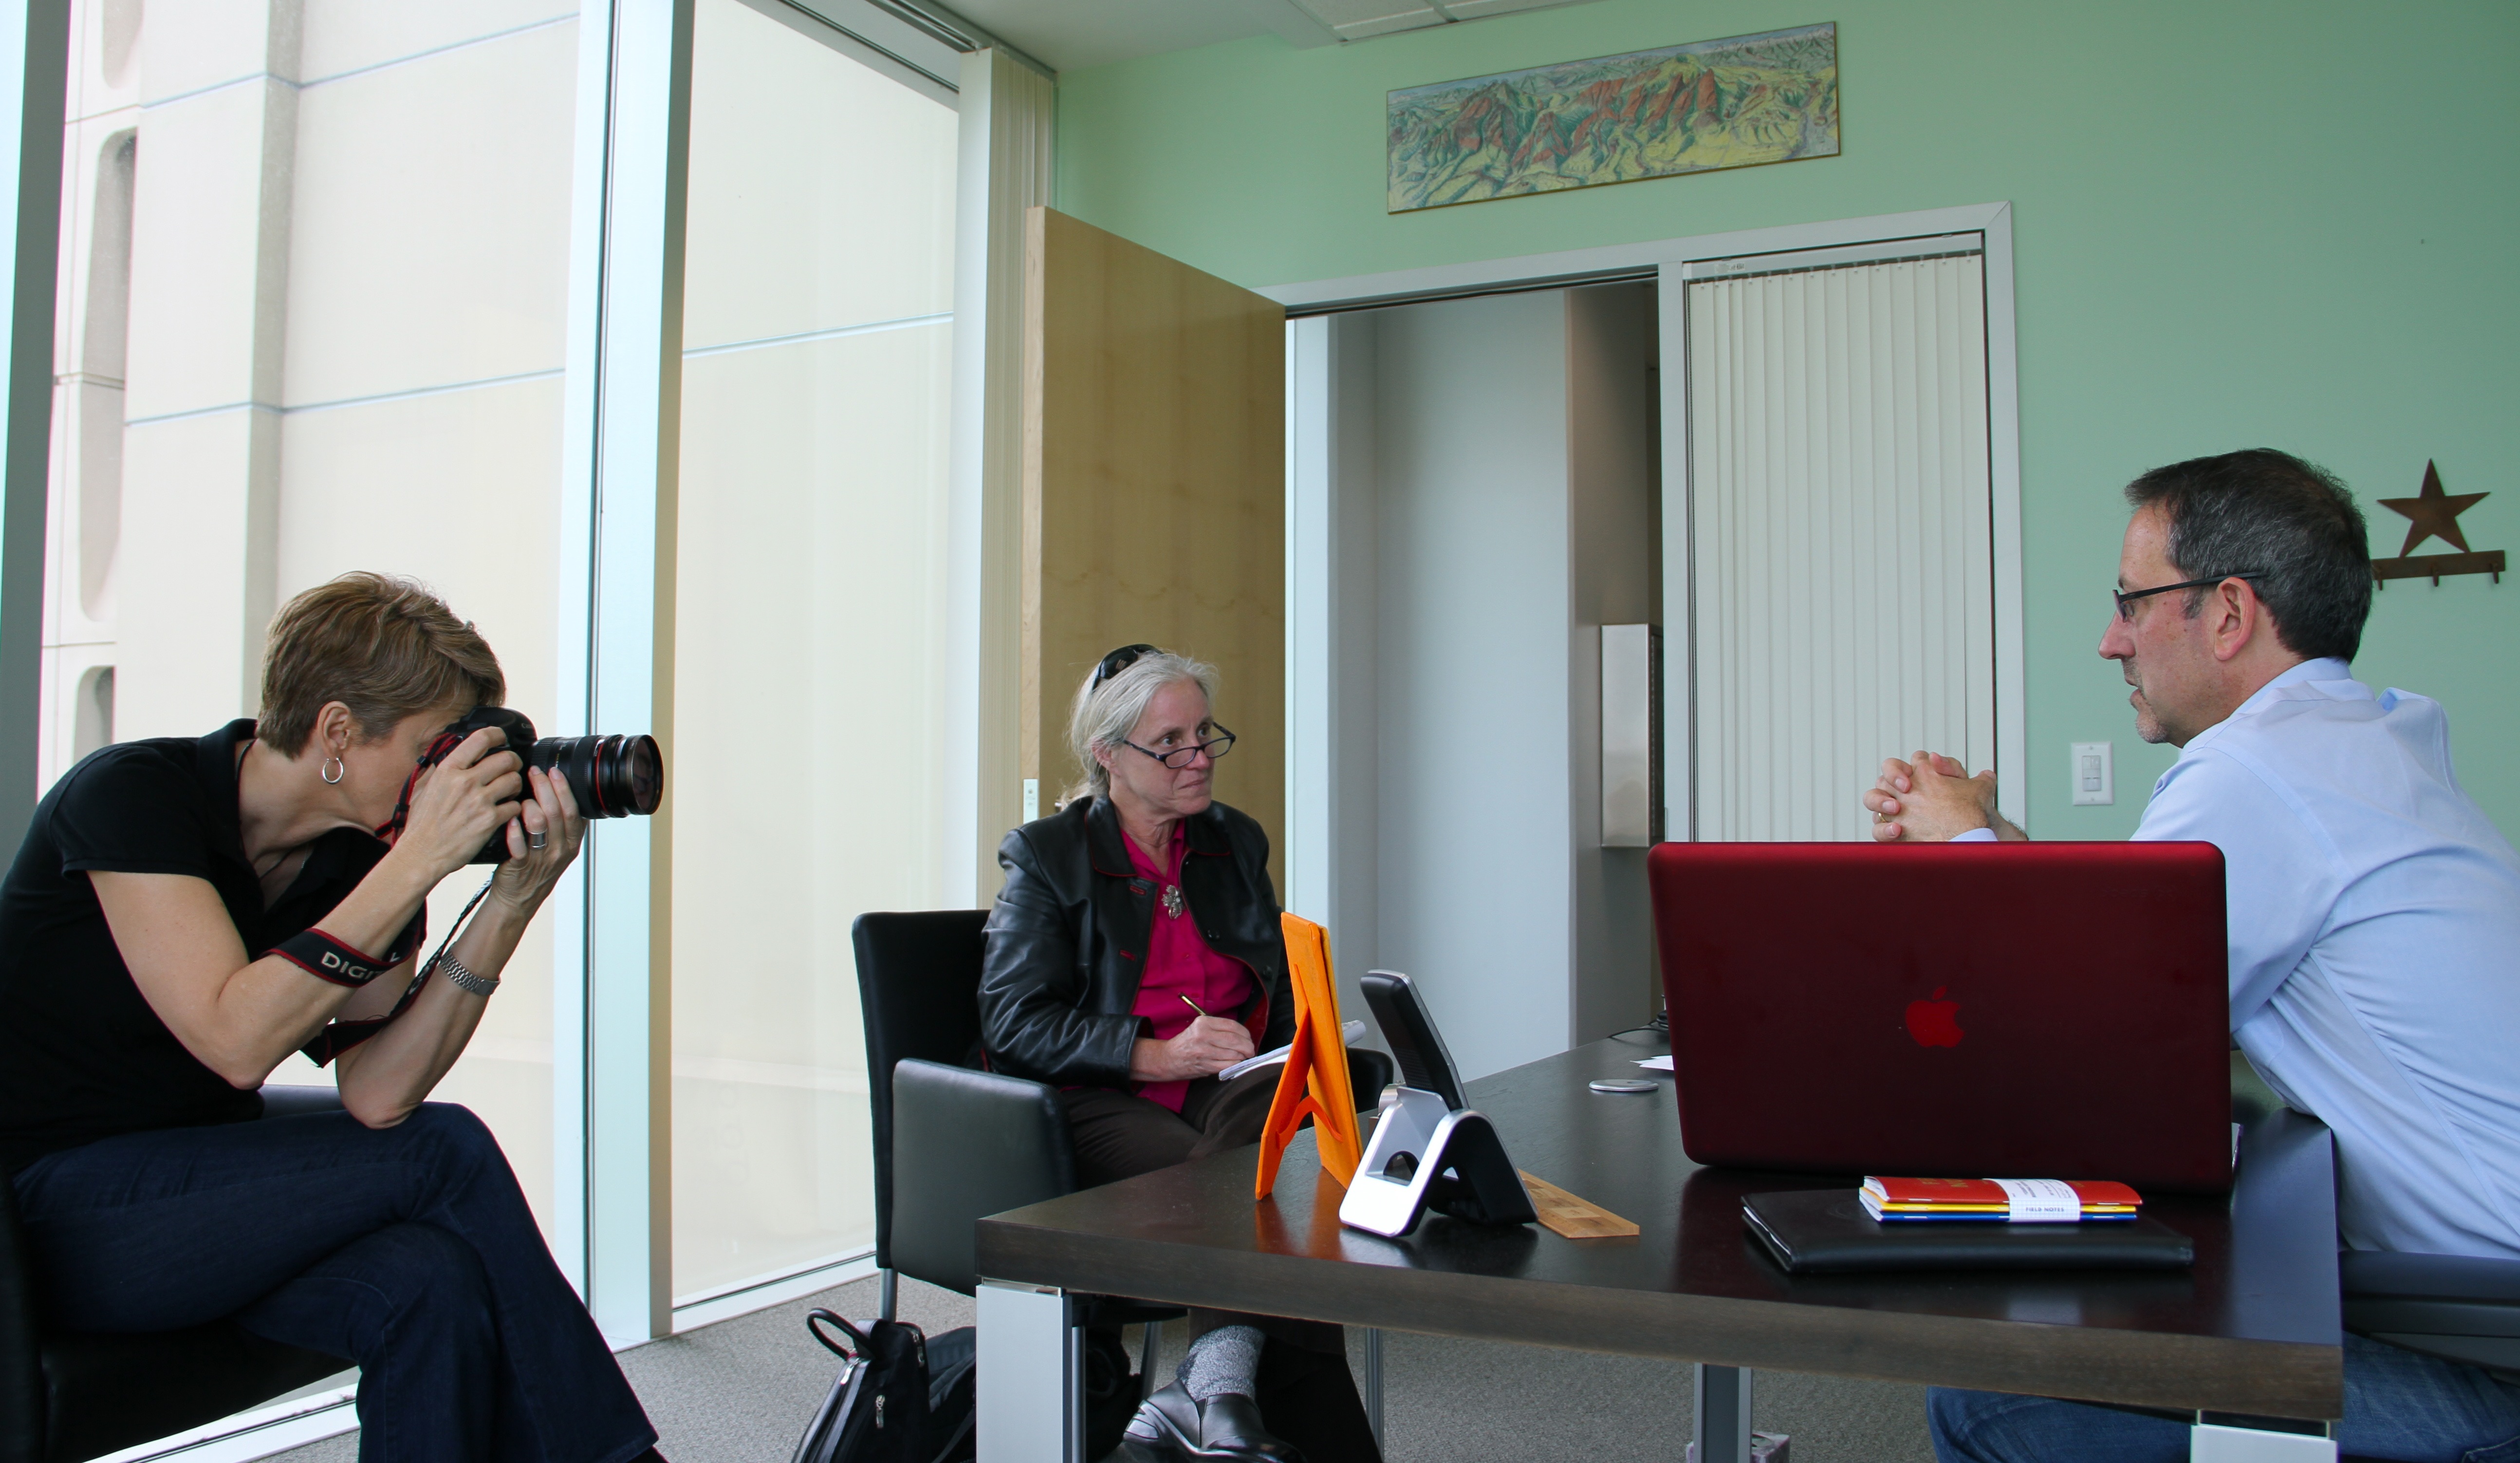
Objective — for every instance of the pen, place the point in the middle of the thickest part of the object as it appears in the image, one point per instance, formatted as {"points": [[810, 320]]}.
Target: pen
{"points": [[1193, 1005]]}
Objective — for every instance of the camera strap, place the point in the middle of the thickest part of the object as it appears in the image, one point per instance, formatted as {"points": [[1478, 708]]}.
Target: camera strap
{"points": [[338, 1036], [322, 956], [391, 828]]}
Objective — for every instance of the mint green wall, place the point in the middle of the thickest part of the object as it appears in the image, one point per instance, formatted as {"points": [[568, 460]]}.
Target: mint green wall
{"points": [[2286, 225]]}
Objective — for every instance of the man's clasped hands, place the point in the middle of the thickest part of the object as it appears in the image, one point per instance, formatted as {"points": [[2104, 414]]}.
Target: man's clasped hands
{"points": [[1930, 798]]}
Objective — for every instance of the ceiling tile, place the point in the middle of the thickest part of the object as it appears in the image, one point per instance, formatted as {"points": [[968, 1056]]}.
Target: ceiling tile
{"points": [[1416, 19], [1471, 9], [1073, 33], [1340, 13]]}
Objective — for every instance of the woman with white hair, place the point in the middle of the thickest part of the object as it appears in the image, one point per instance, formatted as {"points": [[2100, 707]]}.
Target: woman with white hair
{"points": [[1132, 955]]}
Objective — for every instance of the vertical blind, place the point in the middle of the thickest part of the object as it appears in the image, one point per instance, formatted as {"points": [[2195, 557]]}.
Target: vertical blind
{"points": [[1842, 588]]}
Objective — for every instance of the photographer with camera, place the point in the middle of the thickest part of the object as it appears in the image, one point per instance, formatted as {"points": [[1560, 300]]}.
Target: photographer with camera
{"points": [[183, 915]]}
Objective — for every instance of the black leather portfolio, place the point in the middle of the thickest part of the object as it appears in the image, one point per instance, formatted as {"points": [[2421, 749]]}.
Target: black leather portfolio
{"points": [[1826, 1232]]}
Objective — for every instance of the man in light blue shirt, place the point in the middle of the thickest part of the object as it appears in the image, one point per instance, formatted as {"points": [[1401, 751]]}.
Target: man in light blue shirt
{"points": [[2373, 912]]}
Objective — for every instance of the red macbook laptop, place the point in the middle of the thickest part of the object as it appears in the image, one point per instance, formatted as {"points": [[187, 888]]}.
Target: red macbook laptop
{"points": [[2039, 1010]]}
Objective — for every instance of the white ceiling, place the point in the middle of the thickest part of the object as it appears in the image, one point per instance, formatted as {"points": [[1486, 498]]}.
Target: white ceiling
{"points": [[1068, 35]]}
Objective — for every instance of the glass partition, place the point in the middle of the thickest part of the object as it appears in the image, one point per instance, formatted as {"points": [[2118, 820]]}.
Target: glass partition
{"points": [[809, 658], [311, 317]]}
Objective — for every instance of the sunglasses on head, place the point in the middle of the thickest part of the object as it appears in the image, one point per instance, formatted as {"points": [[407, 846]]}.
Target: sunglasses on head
{"points": [[1118, 661]]}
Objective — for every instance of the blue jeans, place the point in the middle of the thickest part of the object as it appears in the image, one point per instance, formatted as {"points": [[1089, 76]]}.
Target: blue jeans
{"points": [[408, 1250], [2399, 1404]]}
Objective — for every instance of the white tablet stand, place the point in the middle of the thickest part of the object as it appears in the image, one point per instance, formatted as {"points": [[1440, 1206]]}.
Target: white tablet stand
{"points": [[1429, 1154]]}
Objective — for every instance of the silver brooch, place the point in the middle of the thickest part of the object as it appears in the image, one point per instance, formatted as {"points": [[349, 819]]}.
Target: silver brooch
{"points": [[1171, 901]]}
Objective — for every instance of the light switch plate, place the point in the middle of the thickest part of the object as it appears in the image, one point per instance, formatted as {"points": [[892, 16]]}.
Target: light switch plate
{"points": [[2095, 781]]}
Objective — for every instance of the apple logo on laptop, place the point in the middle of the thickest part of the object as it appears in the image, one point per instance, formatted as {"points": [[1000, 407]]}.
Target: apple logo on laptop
{"points": [[1935, 1021]]}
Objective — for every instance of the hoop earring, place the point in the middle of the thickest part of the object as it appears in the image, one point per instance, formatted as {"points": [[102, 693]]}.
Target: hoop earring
{"points": [[332, 771]]}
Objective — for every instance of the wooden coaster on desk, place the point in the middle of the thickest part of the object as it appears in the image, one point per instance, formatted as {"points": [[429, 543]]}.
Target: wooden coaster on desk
{"points": [[1574, 1218]]}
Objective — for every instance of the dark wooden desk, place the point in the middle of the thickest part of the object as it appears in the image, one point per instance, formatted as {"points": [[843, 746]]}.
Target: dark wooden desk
{"points": [[2253, 1330]]}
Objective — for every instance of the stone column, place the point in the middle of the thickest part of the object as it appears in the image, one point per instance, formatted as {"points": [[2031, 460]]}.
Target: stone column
{"points": [[210, 274], [100, 153]]}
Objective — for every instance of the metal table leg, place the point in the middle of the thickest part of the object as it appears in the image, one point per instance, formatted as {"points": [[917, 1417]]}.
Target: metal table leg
{"points": [[1373, 1386], [1719, 1426], [1148, 1381], [1031, 1358]]}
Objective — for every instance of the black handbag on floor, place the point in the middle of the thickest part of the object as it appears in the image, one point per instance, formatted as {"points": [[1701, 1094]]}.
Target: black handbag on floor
{"points": [[899, 1398]]}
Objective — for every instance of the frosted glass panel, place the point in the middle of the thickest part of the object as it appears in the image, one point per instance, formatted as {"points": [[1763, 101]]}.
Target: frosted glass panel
{"points": [[823, 192], [1843, 574], [311, 327], [809, 659]]}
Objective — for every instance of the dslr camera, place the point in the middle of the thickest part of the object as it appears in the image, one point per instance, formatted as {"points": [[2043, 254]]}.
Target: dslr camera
{"points": [[610, 777]]}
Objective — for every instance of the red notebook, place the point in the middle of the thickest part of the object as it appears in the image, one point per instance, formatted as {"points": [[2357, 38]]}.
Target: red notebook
{"points": [[2016, 1201]]}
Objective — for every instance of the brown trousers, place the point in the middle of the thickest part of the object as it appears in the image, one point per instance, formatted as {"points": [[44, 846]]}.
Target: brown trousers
{"points": [[1307, 1395], [1118, 1135]]}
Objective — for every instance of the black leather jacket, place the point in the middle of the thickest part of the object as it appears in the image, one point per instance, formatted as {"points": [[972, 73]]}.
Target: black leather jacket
{"points": [[1070, 927]]}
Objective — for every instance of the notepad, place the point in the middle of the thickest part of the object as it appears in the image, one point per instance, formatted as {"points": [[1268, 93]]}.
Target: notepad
{"points": [[1350, 1034]]}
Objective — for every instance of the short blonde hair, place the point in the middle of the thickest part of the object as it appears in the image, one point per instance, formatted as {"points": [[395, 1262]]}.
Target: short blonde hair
{"points": [[385, 647], [1104, 715]]}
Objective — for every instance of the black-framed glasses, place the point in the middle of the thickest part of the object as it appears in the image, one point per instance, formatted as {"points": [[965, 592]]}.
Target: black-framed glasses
{"points": [[2128, 597], [1182, 756], [1118, 661]]}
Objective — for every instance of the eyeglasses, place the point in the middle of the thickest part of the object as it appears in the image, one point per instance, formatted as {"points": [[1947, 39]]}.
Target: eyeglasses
{"points": [[1182, 756], [1118, 661], [2128, 597]]}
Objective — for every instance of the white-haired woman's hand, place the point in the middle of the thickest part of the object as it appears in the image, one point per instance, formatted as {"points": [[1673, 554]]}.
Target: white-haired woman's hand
{"points": [[542, 842], [1203, 1048]]}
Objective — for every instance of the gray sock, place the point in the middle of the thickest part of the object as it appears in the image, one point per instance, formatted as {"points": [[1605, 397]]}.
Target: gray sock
{"points": [[1225, 1359]]}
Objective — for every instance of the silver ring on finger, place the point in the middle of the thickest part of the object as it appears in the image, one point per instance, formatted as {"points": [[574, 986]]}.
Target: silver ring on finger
{"points": [[537, 841]]}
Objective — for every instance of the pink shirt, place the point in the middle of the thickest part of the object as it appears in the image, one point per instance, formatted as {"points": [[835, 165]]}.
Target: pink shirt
{"points": [[1179, 963]]}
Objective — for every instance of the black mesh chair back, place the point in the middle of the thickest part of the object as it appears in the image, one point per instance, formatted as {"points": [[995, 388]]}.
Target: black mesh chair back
{"points": [[919, 989]]}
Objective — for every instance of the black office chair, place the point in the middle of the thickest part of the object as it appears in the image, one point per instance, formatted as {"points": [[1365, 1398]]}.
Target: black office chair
{"points": [[2457, 1307], [66, 1396], [969, 1143]]}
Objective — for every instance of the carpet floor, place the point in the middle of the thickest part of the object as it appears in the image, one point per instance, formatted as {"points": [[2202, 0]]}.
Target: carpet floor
{"points": [[742, 1392]]}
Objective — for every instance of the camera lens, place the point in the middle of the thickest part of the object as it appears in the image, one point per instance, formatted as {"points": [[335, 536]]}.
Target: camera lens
{"points": [[609, 777], [612, 777], [630, 775]]}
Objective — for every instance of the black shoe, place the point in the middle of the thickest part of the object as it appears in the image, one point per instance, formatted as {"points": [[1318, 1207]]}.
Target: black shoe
{"points": [[1225, 1427]]}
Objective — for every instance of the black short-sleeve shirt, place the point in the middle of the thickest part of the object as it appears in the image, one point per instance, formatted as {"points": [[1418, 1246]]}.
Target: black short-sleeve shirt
{"points": [[82, 1056]]}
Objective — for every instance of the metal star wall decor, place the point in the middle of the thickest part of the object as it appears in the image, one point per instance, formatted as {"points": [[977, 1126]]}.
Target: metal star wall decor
{"points": [[2434, 514]]}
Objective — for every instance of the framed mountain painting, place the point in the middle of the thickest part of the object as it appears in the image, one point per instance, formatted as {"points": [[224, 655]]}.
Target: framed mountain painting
{"points": [[1732, 103]]}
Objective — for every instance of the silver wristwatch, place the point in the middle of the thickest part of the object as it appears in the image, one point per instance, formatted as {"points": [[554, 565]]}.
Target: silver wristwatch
{"points": [[463, 978]]}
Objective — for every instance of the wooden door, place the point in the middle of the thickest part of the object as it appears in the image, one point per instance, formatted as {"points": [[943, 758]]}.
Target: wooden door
{"points": [[1153, 494]]}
